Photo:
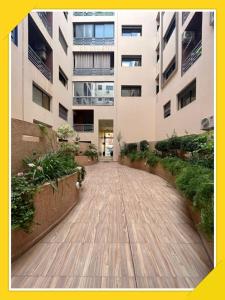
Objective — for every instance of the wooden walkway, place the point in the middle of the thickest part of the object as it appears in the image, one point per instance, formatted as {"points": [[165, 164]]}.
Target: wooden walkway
{"points": [[129, 230]]}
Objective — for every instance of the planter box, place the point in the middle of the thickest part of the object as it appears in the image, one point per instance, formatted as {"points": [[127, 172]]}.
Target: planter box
{"points": [[83, 160], [51, 206], [165, 174]]}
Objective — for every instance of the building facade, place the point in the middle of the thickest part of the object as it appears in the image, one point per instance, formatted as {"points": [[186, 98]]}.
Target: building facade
{"points": [[140, 74]]}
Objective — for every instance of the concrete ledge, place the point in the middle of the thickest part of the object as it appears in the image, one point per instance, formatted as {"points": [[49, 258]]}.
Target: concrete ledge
{"points": [[51, 206], [165, 174], [84, 160]]}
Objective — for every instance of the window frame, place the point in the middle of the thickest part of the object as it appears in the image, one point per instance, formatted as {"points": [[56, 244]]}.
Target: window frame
{"points": [[63, 41], [130, 27], [62, 73], [43, 93], [131, 58], [131, 88], [61, 115], [167, 110], [14, 36], [192, 86]]}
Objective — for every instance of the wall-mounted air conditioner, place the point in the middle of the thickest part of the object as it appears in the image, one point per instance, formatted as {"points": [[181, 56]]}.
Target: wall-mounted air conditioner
{"points": [[207, 123]]}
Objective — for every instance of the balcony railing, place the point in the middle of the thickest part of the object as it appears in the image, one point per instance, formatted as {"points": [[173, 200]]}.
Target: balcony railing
{"points": [[83, 127], [93, 71], [39, 64], [192, 57], [93, 13], [108, 101], [44, 17], [93, 41]]}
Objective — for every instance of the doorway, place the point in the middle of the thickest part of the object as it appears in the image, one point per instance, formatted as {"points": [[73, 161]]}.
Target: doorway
{"points": [[106, 140]]}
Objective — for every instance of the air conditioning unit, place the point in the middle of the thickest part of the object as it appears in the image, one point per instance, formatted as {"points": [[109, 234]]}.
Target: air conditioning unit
{"points": [[188, 36], [207, 123]]}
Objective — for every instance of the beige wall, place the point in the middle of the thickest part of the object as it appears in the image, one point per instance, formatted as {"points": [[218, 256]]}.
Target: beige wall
{"points": [[137, 118]]}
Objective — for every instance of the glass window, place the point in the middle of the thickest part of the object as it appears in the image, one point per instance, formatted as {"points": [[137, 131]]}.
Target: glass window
{"points": [[132, 30], [99, 31], [93, 89], [167, 109], [79, 31], [63, 112], [187, 95], [131, 91], [14, 36], [88, 30], [41, 98], [131, 61], [109, 30]]}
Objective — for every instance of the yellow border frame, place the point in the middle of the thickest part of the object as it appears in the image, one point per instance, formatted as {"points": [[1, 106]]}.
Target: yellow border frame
{"points": [[12, 13]]}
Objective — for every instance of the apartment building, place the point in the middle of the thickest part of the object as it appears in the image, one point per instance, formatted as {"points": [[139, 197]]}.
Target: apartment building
{"points": [[144, 74]]}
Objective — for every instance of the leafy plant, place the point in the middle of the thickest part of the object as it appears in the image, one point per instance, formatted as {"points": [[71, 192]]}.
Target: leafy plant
{"points": [[162, 146], [91, 152], [131, 147], [71, 148], [144, 145], [152, 159], [22, 207], [173, 164], [65, 131]]}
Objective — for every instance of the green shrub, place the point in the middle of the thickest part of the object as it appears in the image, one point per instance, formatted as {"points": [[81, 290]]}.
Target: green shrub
{"points": [[152, 159], [173, 164], [73, 149], [133, 156], [174, 143], [207, 219], [47, 168], [91, 152], [22, 207], [162, 146], [144, 145], [131, 147]]}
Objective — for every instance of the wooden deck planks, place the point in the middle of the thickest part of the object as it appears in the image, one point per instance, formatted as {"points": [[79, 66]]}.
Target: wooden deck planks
{"points": [[130, 229]]}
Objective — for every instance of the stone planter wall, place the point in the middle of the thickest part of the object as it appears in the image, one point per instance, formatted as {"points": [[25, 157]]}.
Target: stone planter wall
{"points": [[51, 206], [84, 160], [165, 174]]}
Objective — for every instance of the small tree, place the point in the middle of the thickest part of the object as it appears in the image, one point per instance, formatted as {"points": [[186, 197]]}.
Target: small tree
{"points": [[65, 131]]}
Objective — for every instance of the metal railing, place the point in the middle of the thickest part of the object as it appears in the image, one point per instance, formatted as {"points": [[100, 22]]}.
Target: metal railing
{"points": [[192, 57], [108, 101], [93, 41], [39, 64], [83, 127], [44, 17], [93, 71], [93, 13]]}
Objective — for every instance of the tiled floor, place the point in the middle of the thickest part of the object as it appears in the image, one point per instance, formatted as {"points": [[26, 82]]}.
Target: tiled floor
{"points": [[130, 229]]}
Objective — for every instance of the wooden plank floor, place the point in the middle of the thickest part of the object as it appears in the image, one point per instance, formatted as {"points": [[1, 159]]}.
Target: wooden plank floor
{"points": [[130, 229]]}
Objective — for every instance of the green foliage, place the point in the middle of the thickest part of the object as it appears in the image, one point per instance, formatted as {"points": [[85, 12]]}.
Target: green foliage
{"points": [[144, 145], [22, 207], [173, 164], [162, 146], [38, 170], [91, 152], [65, 131], [69, 148], [174, 143], [130, 147], [133, 156], [152, 159], [196, 183]]}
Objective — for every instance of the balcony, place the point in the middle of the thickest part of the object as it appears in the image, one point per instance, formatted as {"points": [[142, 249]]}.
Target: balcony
{"points": [[46, 18], [93, 13], [101, 101], [192, 57], [93, 71], [83, 127], [93, 41], [39, 64]]}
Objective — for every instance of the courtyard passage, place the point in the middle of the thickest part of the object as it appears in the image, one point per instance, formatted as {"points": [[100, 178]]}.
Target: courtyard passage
{"points": [[130, 229]]}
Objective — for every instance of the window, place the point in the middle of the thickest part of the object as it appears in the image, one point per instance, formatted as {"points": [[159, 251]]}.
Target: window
{"points": [[167, 109], [185, 14], [158, 21], [131, 91], [169, 70], [63, 112], [66, 14], [131, 61], [63, 78], [187, 95], [130, 30], [94, 30], [93, 89], [14, 36], [157, 85], [169, 31], [63, 41], [157, 53], [41, 98]]}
